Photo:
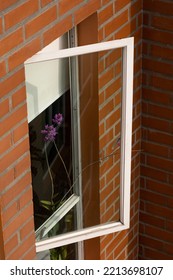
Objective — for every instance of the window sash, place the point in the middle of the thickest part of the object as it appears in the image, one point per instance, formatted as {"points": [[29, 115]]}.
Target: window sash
{"points": [[127, 45]]}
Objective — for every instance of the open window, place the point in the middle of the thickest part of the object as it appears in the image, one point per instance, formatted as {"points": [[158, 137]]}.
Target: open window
{"points": [[68, 159]]}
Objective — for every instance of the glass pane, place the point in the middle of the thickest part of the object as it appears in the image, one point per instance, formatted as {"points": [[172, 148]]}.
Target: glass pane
{"points": [[51, 161], [67, 252], [46, 81], [110, 94]]}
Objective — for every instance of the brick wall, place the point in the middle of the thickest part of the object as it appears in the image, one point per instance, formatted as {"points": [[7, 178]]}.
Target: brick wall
{"points": [[25, 28], [118, 19], [156, 225]]}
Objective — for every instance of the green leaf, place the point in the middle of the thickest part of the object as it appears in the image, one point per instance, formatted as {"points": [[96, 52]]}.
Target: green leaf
{"points": [[45, 202]]}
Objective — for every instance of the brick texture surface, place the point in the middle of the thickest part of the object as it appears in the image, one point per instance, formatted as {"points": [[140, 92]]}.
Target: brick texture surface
{"points": [[26, 27], [118, 19], [156, 210]]}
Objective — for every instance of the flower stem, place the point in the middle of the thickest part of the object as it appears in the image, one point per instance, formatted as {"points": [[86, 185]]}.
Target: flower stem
{"points": [[88, 165], [69, 181], [50, 174]]}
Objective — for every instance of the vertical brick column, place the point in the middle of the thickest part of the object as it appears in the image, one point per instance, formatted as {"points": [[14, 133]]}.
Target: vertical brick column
{"points": [[156, 211]]}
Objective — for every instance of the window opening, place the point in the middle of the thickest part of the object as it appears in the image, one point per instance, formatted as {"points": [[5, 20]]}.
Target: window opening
{"points": [[65, 224]]}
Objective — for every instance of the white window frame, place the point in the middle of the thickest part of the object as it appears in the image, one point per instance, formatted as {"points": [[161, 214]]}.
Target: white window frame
{"points": [[127, 46]]}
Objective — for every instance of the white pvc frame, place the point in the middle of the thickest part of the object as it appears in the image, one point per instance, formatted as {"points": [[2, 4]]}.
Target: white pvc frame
{"points": [[127, 45]]}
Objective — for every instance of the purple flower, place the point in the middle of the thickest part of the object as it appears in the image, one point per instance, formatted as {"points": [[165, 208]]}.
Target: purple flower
{"points": [[49, 133], [58, 118]]}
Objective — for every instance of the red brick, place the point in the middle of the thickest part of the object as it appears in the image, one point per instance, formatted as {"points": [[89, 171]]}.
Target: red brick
{"points": [[159, 187], [148, 218], [12, 82], [153, 197], [161, 7], [2, 69], [5, 4], [25, 198], [140, 20], [169, 225], [113, 118], [156, 96], [6, 179], [104, 2], [18, 221], [168, 248], [155, 149], [171, 178], [158, 66], [119, 4], [11, 41], [161, 163], [45, 2], [136, 8], [112, 200], [159, 36], [159, 137], [20, 13], [22, 165], [27, 229], [106, 191], [162, 23], [136, 123], [6, 143], [106, 139], [11, 244], [85, 11], [160, 111], [123, 245], [170, 202], [15, 117], [105, 14], [107, 216], [106, 77], [15, 153], [16, 190], [153, 173], [57, 30], [156, 255], [112, 173], [30, 254], [106, 109], [41, 21], [161, 51], [24, 53], [124, 31], [116, 23], [159, 234], [113, 57], [106, 165], [10, 212], [138, 65], [131, 247], [22, 250], [19, 97], [101, 34], [20, 132], [66, 5], [1, 27], [4, 107], [160, 211], [112, 88]]}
